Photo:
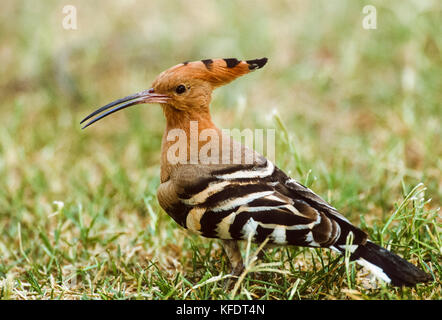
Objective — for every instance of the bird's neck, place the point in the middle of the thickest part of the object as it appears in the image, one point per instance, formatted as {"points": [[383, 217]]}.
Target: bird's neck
{"points": [[182, 119], [184, 127]]}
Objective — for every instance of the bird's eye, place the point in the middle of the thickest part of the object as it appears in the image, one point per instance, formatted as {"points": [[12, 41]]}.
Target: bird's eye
{"points": [[180, 89]]}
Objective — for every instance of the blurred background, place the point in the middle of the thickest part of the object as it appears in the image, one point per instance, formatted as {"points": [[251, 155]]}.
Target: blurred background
{"points": [[358, 112]]}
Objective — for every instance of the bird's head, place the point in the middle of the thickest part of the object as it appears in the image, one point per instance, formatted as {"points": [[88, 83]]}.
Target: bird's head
{"points": [[184, 87]]}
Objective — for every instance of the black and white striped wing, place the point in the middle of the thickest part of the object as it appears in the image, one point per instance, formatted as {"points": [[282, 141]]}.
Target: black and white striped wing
{"points": [[257, 201]]}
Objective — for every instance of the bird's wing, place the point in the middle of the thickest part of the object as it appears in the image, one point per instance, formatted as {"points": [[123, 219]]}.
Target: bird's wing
{"points": [[257, 200], [340, 226]]}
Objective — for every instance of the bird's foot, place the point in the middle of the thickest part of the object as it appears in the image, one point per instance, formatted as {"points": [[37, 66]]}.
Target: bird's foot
{"points": [[230, 282]]}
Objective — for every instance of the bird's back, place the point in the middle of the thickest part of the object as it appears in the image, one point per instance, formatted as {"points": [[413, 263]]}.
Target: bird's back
{"points": [[257, 200]]}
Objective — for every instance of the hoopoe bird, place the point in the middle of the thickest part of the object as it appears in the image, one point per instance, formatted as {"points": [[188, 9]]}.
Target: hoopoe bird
{"points": [[220, 195]]}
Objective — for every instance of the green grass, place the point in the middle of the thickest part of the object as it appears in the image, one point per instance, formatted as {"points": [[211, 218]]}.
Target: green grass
{"points": [[358, 120]]}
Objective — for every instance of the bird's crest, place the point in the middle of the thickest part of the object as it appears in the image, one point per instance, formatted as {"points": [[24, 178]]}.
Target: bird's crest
{"points": [[217, 72]]}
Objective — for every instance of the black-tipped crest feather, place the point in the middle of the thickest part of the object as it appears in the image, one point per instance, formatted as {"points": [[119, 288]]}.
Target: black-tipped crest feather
{"points": [[257, 63]]}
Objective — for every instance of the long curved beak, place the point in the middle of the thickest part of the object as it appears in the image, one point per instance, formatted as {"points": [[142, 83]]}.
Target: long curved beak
{"points": [[146, 96]]}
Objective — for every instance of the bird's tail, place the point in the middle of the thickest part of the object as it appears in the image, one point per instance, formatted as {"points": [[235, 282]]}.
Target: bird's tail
{"points": [[388, 266]]}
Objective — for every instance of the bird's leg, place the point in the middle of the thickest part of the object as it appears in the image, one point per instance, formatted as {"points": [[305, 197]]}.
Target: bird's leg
{"points": [[234, 254]]}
